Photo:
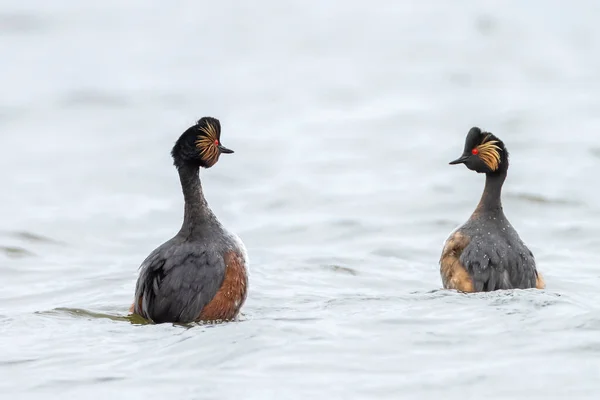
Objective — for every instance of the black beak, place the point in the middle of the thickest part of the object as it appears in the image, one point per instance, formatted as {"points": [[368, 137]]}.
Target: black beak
{"points": [[460, 160], [225, 150]]}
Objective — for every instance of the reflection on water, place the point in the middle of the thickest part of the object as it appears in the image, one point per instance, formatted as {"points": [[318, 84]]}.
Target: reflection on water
{"points": [[80, 313]]}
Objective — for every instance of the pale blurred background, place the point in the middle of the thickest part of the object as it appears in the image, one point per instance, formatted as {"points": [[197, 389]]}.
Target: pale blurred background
{"points": [[343, 116]]}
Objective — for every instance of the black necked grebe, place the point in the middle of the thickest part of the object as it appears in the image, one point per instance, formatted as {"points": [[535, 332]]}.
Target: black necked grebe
{"points": [[486, 253], [200, 274]]}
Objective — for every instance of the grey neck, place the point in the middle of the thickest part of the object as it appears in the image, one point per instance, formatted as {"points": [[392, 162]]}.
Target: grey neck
{"points": [[197, 214], [491, 199]]}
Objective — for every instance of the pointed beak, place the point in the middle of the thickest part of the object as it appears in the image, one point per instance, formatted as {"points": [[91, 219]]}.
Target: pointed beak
{"points": [[225, 150], [460, 160]]}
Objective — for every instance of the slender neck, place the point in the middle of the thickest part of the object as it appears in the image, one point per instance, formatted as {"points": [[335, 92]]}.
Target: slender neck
{"points": [[491, 199], [196, 211]]}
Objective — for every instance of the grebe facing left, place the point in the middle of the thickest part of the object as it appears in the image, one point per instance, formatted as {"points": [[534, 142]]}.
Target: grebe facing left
{"points": [[201, 273], [486, 253]]}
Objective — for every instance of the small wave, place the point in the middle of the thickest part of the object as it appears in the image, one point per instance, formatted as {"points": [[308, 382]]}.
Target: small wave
{"points": [[30, 237], [94, 98], [341, 269], [131, 318], [82, 313], [21, 23], [17, 361], [539, 199], [16, 252]]}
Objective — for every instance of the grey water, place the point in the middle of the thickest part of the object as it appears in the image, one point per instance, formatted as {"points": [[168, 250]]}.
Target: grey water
{"points": [[343, 117]]}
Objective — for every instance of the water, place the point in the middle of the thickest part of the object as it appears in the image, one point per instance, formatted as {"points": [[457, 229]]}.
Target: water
{"points": [[343, 117]]}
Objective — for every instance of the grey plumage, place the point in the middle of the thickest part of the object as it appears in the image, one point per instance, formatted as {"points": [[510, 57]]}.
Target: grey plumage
{"points": [[178, 280], [203, 264], [496, 257], [486, 253]]}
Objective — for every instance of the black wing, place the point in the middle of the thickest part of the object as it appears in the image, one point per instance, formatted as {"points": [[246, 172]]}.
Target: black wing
{"points": [[494, 263], [176, 282]]}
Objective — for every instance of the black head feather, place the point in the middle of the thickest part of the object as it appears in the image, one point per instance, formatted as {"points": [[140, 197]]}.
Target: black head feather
{"points": [[200, 145], [483, 152]]}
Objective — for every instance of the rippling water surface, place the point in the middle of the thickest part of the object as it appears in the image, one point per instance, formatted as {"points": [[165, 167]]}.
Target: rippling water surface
{"points": [[343, 116]]}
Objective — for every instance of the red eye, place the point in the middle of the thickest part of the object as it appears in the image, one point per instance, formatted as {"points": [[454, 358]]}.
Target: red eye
{"points": [[475, 151], [216, 142]]}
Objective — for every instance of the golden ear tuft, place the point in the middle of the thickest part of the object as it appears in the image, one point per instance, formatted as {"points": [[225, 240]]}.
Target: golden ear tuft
{"points": [[207, 144], [489, 152], [211, 131]]}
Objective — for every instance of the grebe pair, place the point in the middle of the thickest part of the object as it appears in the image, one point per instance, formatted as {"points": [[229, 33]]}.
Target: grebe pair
{"points": [[201, 274]]}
